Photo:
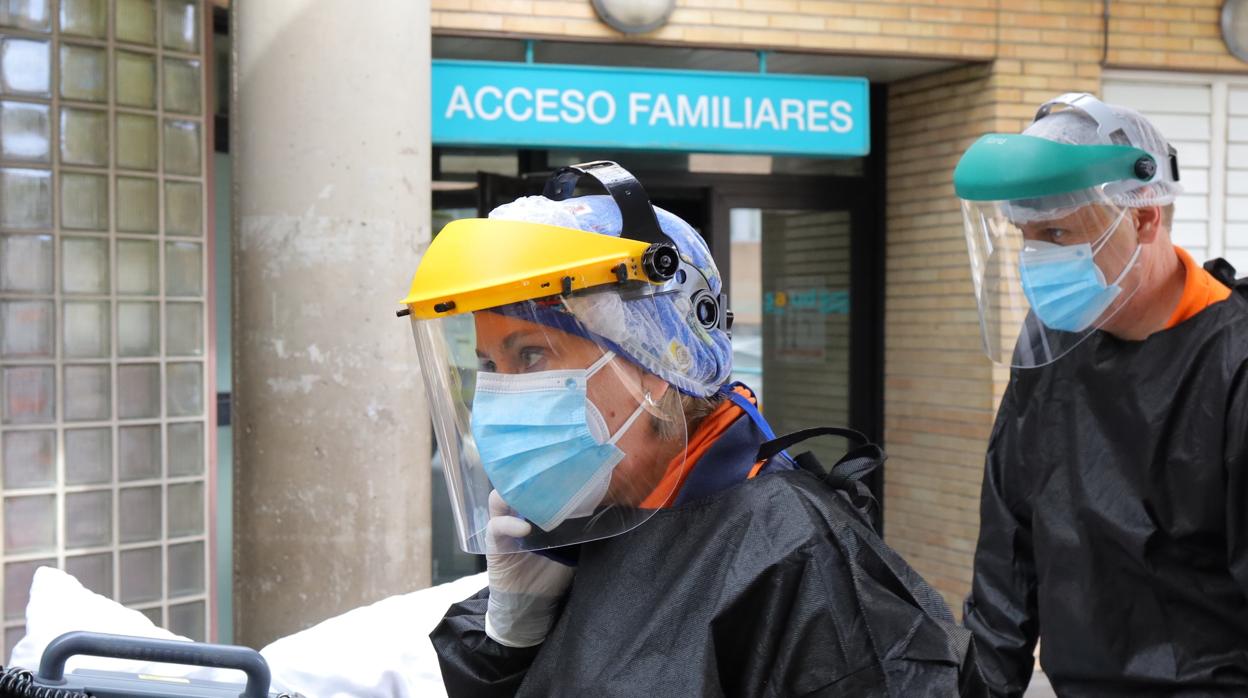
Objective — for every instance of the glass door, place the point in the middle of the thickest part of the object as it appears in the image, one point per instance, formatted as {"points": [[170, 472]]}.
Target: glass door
{"points": [[802, 260], [790, 295]]}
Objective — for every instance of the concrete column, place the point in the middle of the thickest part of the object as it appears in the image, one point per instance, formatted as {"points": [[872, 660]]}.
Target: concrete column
{"points": [[330, 132]]}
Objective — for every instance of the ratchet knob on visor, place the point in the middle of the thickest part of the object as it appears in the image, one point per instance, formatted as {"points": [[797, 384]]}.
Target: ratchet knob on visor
{"points": [[660, 261]]}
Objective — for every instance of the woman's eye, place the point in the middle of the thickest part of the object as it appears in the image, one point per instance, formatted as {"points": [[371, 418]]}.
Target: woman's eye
{"points": [[1057, 234], [530, 357], [486, 365]]}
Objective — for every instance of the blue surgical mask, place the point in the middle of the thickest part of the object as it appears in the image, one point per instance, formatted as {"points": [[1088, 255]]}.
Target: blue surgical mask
{"points": [[1065, 287], [543, 444]]}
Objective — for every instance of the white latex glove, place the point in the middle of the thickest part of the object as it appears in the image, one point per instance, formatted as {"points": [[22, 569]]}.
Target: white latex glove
{"points": [[525, 588]]}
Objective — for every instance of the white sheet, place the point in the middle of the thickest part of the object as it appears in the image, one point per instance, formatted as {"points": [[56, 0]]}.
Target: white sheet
{"points": [[377, 651]]}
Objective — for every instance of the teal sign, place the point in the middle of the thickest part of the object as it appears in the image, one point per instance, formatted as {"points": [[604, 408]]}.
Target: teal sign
{"points": [[481, 103]]}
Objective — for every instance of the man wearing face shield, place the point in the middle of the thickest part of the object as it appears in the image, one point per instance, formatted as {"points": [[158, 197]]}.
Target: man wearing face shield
{"points": [[644, 531], [1114, 518]]}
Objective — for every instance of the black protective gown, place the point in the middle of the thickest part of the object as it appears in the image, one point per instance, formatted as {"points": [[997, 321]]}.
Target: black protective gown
{"points": [[1114, 520], [771, 587]]}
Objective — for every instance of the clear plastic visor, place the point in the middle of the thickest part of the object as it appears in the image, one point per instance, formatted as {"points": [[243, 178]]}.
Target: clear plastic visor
{"points": [[570, 437], [1049, 272]]}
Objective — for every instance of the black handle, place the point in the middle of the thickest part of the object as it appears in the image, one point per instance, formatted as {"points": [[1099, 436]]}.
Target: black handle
{"points": [[769, 449], [245, 659]]}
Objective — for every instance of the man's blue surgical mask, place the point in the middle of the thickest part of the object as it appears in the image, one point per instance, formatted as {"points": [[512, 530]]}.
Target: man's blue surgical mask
{"points": [[1063, 284], [543, 444]]}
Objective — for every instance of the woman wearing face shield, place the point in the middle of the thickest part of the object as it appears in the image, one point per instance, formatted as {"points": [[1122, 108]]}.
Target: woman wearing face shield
{"points": [[644, 531], [1114, 517]]}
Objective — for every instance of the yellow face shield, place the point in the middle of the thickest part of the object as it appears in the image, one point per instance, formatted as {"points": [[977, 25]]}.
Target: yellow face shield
{"points": [[528, 344], [478, 263]]}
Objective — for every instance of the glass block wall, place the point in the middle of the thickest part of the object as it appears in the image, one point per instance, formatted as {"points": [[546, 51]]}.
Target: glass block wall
{"points": [[104, 430]]}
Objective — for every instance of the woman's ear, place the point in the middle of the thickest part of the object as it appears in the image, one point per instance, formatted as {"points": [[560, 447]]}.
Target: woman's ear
{"points": [[1148, 222]]}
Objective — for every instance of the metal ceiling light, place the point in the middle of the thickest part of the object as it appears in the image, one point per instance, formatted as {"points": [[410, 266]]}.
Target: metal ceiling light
{"points": [[634, 16], [1235, 27]]}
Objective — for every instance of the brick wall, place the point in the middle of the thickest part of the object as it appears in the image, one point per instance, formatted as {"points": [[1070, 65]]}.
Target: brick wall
{"points": [[1169, 35], [941, 393], [1155, 34], [951, 28], [938, 384]]}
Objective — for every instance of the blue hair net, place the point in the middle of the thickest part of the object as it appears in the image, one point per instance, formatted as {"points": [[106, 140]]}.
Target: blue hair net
{"points": [[663, 336]]}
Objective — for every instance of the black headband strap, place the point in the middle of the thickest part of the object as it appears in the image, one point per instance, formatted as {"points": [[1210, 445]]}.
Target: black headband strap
{"points": [[638, 216]]}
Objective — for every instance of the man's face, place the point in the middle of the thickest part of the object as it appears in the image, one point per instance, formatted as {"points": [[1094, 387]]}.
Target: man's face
{"points": [[1108, 230]]}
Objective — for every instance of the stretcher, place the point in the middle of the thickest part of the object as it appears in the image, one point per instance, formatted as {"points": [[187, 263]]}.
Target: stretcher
{"points": [[52, 681]]}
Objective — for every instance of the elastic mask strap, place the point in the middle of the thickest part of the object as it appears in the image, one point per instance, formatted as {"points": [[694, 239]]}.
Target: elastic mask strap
{"points": [[1104, 238], [597, 365], [627, 424], [1130, 263]]}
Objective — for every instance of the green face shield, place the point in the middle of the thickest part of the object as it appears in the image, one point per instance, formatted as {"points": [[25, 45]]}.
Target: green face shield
{"points": [[1053, 256], [1003, 167]]}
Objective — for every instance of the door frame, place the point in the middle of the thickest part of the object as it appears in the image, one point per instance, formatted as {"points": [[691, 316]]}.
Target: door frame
{"points": [[864, 200]]}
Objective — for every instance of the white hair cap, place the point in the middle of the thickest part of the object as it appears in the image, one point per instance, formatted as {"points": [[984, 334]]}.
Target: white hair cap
{"points": [[1077, 125]]}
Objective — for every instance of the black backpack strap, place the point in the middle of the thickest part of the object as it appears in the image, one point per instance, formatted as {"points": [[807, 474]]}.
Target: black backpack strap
{"points": [[769, 449], [1224, 272], [1221, 270], [846, 475]]}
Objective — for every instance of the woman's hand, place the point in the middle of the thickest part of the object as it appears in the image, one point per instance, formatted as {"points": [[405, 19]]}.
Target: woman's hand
{"points": [[525, 588]]}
